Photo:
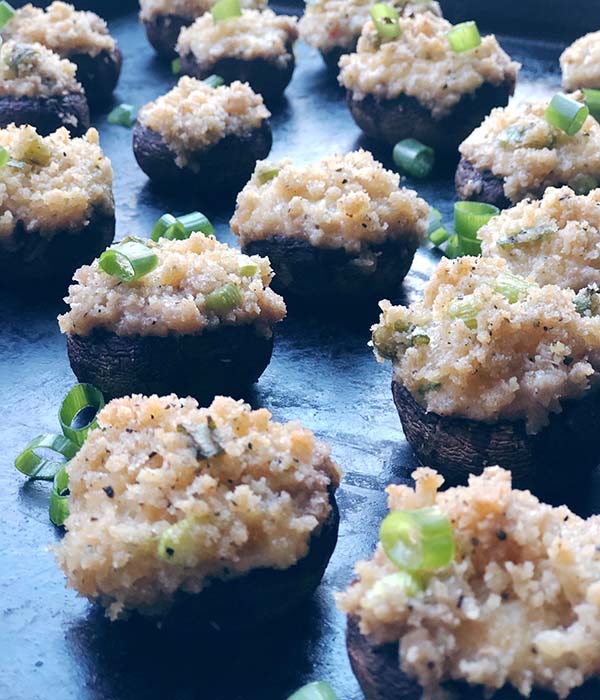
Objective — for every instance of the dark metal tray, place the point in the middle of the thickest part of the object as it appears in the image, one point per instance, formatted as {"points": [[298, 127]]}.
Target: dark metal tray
{"points": [[53, 644]]}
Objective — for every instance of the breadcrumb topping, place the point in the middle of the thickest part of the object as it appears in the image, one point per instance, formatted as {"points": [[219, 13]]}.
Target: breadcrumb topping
{"points": [[193, 115], [519, 604], [143, 477], [580, 63]]}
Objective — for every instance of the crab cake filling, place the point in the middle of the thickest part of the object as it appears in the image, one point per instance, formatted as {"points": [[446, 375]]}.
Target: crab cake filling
{"points": [[486, 345], [518, 146], [254, 35], [519, 604], [173, 297], [60, 28], [32, 70], [421, 63], [329, 24], [555, 240], [347, 202], [167, 496], [52, 183], [580, 63], [194, 116], [150, 9]]}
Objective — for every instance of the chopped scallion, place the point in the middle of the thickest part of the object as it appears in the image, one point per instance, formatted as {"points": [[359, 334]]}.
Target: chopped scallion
{"points": [[59, 498], [37, 152], [7, 12], [223, 300], [129, 261], [511, 287], [469, 217], [30, 463], [566, 114], [592, 100], [582, 183], [266, 173], [418, 540], [214, 81], [248, 270], [320, 690], [386, 20], [413, 158], [465, 309], [225, 9], [4, 156], [409, 583], [196, 221], [181, 227], [464, 37], [176, 66], [77, 415], [123, 115], [529, 235]]}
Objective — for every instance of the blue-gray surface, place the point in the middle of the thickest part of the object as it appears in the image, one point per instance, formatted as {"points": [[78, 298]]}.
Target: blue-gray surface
{"points": [[53, 644]]}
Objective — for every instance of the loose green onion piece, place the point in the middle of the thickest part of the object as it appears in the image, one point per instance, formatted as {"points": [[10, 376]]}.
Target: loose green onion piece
{"points": [[466, 309], [453, 249], [320, 690], [223, 300], [418, 540], [439, 236], [6, 13], [128, 260], [225, 9], [464, 37], [469, 246], [566, 114], [196, 221], [36, 467], [248, 270], [37, 152], [413, 158], [59, 498], [162, 226], [386, 20], [592, 100], [123, 115], [511, 287], [181, 227], [436, 231], [214, 81], [176, 66], [409, 583], [583, 184], [469, 217], [267, 174], [4, 156], [77, 415]]}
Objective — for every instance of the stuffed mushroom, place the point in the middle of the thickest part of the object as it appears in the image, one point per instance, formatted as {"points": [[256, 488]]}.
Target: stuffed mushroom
{"points": [[57, 206], [199, 322], [415, 85], [508, 596], [340, 227], [580, 63], [554, 240], [80, 37], [490, 368], [164, 19], [215, 514], [333, 26], [201, 137], [517, 153], [39, 88], [254, 47]]}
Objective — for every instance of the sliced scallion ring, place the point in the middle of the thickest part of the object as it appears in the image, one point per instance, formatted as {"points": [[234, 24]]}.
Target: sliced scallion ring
{"points": [[418, 540], [453, 248], [223, 300], [4, 156], [465, 309], [248, 270], [162, 226], [225, 9], [464, 37], [7, 12], [566, 114], [592, 100], [469, 217], [320, 690], [33, 465], [214, 81], [439, 236], [123, 115], [196, 221], [176, 66], [386, 20], [129, 260], [181, 227], [59, 498], [512, 287], [413, 158], [267, 173], [78, 411]]}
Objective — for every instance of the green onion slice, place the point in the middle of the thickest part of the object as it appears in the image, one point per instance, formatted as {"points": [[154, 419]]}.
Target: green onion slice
{"points": [[226, 9], [418, 540], [529, 235], [6, 13], [453, 249], [464, 37], [320, 690], [413, 158], [128, 260], [176, 66], [59, 498], [469, 217], [592, 100], [77, 415], [582, 183], [223, 300], [34, 466], [4, 156], [436, 231], [214, 81], [181, 227], [511, 287], [123, 115], [386, 20], [266, 174], [566, 114], [248, 270], [466, 309]]}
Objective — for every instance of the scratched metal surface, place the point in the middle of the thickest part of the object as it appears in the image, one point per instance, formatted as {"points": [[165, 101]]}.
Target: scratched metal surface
{"points": [[53, 644]]}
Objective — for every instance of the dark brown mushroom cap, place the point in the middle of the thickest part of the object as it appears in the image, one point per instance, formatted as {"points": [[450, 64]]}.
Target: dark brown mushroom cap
{"points": [[264, 75], [98, 74], [163, 31], [226, 360], [309, 272], [480, 186], [405, 117], [47, 114], [333, 55], [29, 259], [225, 166]]}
